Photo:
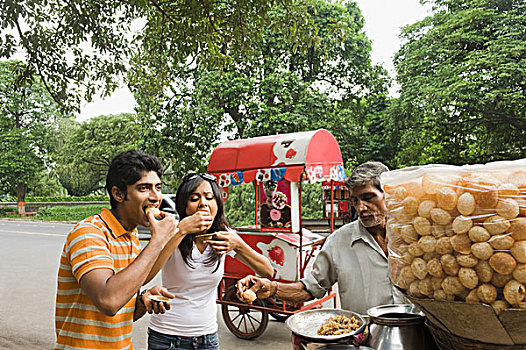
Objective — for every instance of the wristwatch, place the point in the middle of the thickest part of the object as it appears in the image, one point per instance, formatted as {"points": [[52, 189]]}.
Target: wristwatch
{"points": [[141, 295]]}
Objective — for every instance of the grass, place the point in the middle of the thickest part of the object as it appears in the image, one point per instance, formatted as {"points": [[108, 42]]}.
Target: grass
{"points": [[61, 213]]}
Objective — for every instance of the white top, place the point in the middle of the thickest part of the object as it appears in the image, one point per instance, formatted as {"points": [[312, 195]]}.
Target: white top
{"points": [[193, 310]]}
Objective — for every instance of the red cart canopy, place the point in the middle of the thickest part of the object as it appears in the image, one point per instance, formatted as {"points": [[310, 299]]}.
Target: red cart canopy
{"points": [[275, 157]]}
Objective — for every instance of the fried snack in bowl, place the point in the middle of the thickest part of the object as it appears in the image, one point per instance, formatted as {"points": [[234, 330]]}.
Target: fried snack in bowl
{"points": [[478, 234], [248, 296], [508, 208], [484, 271], [449, 264], [339, 325], [467, 260], [410, 205], [452, 285], [519, 273], [482, 250], [427, 244], [472, 297], [461, 224], [446, 198], [468, 277], [419, 268], [500, 280], [499, 306], [434, 268], [440, 216], [518, 250], [496, 224], [459, 233], [466, 204], [160, 298], [502, 263], [514, 292], [424, 208], [422, 226], [487, 293], [461, 243], [443, 245], [501, 242], [153, 209], [518, 229]]}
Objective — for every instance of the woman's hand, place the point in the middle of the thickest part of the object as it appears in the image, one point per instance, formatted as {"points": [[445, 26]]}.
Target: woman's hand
{"points": [[225, 241], [197, 223]]}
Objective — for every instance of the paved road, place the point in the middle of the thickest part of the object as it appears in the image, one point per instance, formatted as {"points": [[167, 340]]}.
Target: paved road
{"points": [[29, 253]]}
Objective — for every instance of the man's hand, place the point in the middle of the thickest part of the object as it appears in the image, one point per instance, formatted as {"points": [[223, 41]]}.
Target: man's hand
{"points": [[157, 306], [163, 228], [196, 223], [260, 286]]}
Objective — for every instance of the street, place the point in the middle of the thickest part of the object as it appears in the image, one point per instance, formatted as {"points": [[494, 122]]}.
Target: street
{"points": [[29, 256]]}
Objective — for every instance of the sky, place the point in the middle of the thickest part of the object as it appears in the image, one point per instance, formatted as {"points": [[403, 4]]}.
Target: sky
{"points": [[383, 20]]}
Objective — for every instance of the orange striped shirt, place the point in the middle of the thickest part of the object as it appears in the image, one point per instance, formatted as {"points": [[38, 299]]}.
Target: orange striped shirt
{"points": [[96, 242]]}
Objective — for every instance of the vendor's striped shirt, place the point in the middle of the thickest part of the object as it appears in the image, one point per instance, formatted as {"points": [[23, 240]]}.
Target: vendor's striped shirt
{"points": [[98, 242]]}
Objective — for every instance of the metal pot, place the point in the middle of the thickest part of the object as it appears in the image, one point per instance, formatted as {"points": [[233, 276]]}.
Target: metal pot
{"points": [[398, 327]]}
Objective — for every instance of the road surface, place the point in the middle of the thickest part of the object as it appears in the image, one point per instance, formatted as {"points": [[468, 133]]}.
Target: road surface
{"points": [[29, 256]]}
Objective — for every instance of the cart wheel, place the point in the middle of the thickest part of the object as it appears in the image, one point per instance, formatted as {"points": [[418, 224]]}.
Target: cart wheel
{"points": [[243, 322]]}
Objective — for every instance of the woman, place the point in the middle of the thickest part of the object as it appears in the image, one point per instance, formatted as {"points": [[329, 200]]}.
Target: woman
{"points": [[194, 270]]}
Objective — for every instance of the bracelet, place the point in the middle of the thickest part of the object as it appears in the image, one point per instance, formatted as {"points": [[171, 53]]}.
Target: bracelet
{"points": [[275, 290], [141, 295]]}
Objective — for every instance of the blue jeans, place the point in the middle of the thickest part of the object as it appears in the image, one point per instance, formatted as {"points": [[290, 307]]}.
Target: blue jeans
{"points": [[160, 341]]}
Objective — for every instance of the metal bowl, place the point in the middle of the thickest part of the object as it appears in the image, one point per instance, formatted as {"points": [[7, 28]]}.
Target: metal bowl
{"points": [[307, 323]]}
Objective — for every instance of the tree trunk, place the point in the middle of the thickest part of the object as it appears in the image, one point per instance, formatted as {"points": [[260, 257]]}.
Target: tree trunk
{"points": [[21, 190]]}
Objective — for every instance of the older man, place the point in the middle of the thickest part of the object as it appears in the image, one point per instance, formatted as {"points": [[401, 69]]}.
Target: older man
{"points": [[355, 256]]}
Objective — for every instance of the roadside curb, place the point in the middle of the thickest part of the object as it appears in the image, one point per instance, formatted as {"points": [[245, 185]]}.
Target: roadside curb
{"points": [[39, 221]]}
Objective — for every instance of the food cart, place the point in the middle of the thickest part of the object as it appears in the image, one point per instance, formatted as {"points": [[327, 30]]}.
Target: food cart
{"points": [[275, 166]]}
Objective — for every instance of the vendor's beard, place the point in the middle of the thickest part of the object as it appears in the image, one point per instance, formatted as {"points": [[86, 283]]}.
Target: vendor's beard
{"points": [[373, 221]]}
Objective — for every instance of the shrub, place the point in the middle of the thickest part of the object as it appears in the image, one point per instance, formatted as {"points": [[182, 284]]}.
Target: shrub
{"points": [[69, 213]]}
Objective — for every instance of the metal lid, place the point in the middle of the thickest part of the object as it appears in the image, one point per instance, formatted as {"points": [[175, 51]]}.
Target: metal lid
{"points": [[396, 314]]}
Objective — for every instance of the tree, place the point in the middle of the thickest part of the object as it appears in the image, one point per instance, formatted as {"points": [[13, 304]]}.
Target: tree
{"points": [[462, 73], [86, 47], [28, 120], [276, 88], [89, 147]]}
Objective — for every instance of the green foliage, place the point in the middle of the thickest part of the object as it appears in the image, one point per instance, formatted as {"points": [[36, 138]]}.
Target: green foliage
{"points": [[4, 211], [47, 184], [273, 89], [89, 147], [239, 207], [85, 47], [462, 73], [66, 199], [311, 201], [68, 213], [28, 120]]}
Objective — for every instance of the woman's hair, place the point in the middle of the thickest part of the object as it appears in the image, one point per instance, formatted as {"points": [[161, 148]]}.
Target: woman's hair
{"points": [[188, 185]]}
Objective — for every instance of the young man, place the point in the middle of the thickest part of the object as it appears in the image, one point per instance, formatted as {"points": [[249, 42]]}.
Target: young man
{"points": [[355, 256], [102, 266]]}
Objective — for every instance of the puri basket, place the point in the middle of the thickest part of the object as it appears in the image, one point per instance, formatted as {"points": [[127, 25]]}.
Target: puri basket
{"points": [[448, 341]]}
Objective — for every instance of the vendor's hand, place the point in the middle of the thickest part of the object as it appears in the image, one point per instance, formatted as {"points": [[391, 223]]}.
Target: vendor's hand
{"points": [[199, 222], [157, 306], [225, 241], [162, 227], [260, 286]]}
